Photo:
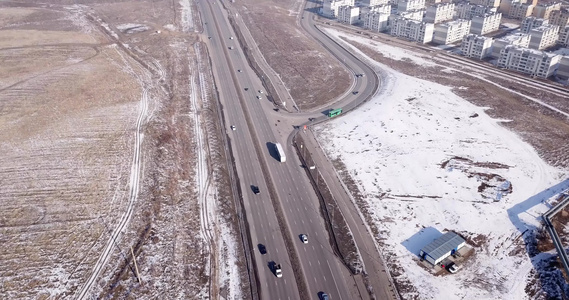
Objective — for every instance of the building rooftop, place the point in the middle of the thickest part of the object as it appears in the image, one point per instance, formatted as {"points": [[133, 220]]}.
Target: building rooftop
{"points": [[513, 37], [443, 245], [545, 27], [458, 22], [532, 51]]}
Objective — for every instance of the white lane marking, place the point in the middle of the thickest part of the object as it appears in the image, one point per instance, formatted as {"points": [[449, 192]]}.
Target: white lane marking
{"points": [[335, 283]]}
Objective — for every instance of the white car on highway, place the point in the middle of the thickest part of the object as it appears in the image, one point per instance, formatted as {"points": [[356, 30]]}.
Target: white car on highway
{"points": [[304, 238]]}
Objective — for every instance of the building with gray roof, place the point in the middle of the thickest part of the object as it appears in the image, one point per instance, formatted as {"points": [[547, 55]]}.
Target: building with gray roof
{"points": [[442, 248]]}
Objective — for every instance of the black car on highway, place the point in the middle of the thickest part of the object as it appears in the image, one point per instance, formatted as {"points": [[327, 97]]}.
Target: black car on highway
{"points": [[255, 189]]}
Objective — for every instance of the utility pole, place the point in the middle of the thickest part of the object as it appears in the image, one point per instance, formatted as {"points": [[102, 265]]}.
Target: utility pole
{"points": [[135, 267]]}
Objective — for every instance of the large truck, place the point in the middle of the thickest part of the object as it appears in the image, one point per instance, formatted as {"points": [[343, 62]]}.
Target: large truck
{"points": [[280, 152]]}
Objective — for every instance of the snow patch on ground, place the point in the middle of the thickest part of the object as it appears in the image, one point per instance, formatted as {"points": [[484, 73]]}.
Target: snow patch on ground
{"points": [[132, 28], [170, 27], [187, 17], [395, 147]]}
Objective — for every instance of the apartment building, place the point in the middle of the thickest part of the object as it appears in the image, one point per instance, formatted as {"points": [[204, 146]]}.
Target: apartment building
{"points": [[412, 29], [543, 36], [466, 11], [439, 13], [520, 10], [450, 32], [407, 5], [563, 69], [376, 21], [485, 23], [516, 39], [544, 10], [564, 36], [529, 61], [348, 14], [559, 18], [488, 3], [530, 23], [330, 7], [476, 46]]}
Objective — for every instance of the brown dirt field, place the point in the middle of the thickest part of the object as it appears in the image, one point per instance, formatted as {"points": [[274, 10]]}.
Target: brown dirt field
{"points": [[69, 99], [311, 74], [66, 146]]}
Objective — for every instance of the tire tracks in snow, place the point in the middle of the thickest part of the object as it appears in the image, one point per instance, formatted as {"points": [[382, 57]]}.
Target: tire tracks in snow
{"points": [[134, 180]]}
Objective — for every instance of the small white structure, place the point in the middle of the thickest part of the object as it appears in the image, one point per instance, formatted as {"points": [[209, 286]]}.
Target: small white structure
{"points": [[529, 61], [450, 32], [486, 23], [516, 39], [520, 10], [530, 23], [543, 36], [412, 29], [439, 13], [406, 5], [376, 21], [559, 18], [441, 248], [544, 10], [330, 7], [476, 46], [564, 36], [348, 14]]}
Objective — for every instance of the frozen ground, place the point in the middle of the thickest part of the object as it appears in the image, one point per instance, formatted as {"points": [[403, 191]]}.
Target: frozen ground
{"points": [[429, 161]]}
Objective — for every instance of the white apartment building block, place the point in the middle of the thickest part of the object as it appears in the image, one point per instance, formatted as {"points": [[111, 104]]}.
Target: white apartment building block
{"points": [[529, 61], [376, 21], [543, 36], [466, 11], [530, 23], [488, 3], [439, 13], [520, 10], [406, 5], [564, 36], [516, 39], [559, 18], [544, 10], [450, 32], [476, 46], [330, 7], [348, 14], [412, 29], [485, 24], [416, 15], [563, 69]]}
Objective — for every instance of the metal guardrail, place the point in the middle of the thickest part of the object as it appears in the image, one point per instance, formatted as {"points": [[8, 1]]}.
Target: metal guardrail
{"points": [[554, 236]]}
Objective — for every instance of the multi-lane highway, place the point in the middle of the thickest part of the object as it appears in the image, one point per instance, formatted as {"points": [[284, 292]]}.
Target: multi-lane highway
{"points": [[261, 216], [256, 130]]}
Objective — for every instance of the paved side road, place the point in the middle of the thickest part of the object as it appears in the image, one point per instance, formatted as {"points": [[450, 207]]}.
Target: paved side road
{"points": [[378, 277]]}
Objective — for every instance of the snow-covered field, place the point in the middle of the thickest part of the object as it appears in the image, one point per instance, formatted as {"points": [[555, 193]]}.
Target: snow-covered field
{"points": [[426, 159]]}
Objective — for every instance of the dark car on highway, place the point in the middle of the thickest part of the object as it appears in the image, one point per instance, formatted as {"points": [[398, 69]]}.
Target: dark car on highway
{"points": [[262, 249], [255, 189]]}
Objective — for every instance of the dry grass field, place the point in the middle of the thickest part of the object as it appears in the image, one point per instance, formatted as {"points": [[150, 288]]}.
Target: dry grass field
{"points": [[312, 75], [99, 110]]}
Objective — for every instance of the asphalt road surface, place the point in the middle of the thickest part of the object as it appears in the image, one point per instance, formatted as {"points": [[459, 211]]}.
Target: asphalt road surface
{"points": [[321, 269], [261, 216]]}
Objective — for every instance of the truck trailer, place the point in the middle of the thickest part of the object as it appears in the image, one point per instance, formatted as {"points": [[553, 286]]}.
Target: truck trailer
{"points": [[280, 152]]}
